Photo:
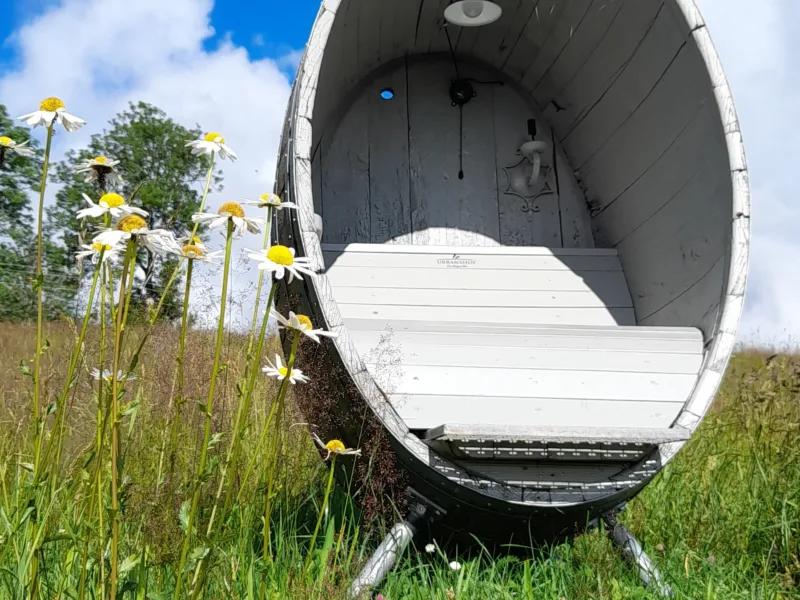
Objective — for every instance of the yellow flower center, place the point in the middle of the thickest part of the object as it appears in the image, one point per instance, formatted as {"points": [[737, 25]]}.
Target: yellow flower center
{"points": [[5, 141], [273, 199], [281, 255], [112, 200], [51, 104], [99, 247], [305, 321], [192, 251], [234, 209], [335, 446], [100, 159], [131, 223], [213, 136]]}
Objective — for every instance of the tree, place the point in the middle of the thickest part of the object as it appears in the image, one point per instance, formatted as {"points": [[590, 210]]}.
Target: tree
{"points": [[160, 175], [19, 176]]}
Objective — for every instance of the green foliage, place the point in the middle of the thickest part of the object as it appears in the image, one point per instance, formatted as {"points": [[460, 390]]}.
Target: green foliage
{"points": [[160, 175], [19, 177]]}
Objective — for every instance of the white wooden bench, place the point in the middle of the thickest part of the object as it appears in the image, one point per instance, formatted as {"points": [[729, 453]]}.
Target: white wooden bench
{"points": [[484, 337]]}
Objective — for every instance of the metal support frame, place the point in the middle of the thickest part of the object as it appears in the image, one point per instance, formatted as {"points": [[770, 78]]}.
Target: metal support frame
{"points": [[398, 538], [633, 551]]}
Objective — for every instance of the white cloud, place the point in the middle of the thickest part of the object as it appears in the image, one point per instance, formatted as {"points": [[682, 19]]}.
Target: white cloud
{"points": [[98, 54], [756, 46]]}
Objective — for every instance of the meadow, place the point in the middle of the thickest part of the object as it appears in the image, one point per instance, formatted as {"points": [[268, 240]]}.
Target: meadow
{"points": [[722, 520]]}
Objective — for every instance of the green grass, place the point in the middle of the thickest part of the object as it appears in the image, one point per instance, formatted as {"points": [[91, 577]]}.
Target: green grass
{"points": [[721, 521]]}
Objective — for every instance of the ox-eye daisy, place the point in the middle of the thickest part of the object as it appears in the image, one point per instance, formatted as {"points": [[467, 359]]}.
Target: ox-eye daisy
{"points": [[212, 143], [109, 252], [194, 240], [280, 372], [9, 145], [229, 211], [336, 447], [279, 260], [112, 203], [108, 375], [100, 168], [159, 241], [302, 324], [271, 201], [195, 252], [52, 109]]}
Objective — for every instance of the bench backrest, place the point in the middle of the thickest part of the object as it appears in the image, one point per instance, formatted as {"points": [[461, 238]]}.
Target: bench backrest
{"points": [[525, 285]]}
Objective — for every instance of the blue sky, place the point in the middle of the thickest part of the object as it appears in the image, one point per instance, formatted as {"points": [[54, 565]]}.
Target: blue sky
{"points": [[271, 28]]}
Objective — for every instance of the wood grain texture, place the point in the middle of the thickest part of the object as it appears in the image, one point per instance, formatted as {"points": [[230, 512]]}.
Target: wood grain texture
{"points": [[573, 14], [436, 352], [584, 85], [583, 43], [628, 91], [447, 210], [345, 179], [531, 221], [390, 212], [414, 141], [425, 411]]}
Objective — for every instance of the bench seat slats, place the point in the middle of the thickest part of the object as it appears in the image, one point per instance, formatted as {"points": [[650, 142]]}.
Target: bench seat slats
{"points": [[493, 336], [425, 411], [468, 382]]}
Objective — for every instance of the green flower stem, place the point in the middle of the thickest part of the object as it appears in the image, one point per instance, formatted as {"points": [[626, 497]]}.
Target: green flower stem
{"points": [[201, 466], [175, 272], [272, 457], [175, 405], [235, 446], [321, 514], [37, 388], [265, 245], [38, 425], [100, 434], [126, 285], [205, 192], [242, 411], [61, 407], [153, 318]]}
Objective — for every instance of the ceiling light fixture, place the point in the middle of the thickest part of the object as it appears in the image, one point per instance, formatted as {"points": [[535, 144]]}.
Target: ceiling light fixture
{"points": [[472, 13]]}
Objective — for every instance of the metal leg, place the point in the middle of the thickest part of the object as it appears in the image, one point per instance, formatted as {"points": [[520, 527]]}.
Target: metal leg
{"points": [[382, 561], [632, 550]]}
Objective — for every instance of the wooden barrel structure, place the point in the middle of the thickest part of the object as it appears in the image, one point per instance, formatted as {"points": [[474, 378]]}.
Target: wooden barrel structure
{"points": [[530, 220]]}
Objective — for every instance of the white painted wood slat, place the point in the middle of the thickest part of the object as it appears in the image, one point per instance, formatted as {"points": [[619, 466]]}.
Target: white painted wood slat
{"points": [[543, 316], [506, 251], [591, 435], [417, 260], [527, 329], [469, 382], [366, 340], [587, 359], [425, 411], [600, 282], [481, 298]]}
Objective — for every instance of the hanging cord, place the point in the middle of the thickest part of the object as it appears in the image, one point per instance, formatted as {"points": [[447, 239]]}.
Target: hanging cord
{"points": [[461, 142], [452, 52]]}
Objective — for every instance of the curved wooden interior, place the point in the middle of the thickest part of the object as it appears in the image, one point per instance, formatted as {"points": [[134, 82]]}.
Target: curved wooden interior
{"points": [[513, 324]]}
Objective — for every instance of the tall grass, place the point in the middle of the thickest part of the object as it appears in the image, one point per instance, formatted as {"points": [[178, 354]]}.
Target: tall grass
{"points": [[722, 521]]}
